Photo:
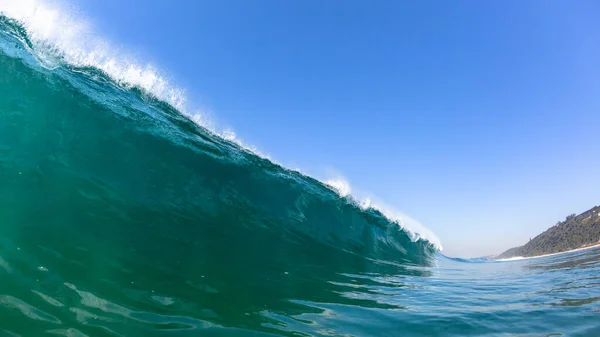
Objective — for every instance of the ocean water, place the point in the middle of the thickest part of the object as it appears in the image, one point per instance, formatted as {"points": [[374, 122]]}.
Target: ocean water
{"points": [[121, 216]]}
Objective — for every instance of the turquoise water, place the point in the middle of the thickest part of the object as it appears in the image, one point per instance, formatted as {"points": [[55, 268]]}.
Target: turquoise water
{"points": [[121, 217]]}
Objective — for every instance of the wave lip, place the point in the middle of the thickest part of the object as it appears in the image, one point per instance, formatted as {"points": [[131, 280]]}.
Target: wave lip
{"points": [[53, 30], [412, 226]]}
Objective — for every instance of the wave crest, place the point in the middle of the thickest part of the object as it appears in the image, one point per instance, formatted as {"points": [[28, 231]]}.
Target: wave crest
{"points": [[53, 30]]}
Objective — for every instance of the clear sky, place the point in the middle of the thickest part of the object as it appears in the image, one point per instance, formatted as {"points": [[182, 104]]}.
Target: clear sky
{"points": [[480, 119]]}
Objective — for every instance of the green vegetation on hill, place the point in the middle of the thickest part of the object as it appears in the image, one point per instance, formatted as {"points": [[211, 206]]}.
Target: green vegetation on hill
{"points": [[575, 232]]}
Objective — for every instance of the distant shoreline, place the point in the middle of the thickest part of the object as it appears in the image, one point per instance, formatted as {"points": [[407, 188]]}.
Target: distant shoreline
{"points": [[517, 258]]}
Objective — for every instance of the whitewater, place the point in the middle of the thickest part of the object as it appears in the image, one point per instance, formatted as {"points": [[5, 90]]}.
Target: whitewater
{"points": [[125, 212]]}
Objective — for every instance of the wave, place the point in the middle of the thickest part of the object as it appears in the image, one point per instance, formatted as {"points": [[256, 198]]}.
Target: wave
{"points": [[55, 35], [469, 260], [55, 38], [123, 216]]}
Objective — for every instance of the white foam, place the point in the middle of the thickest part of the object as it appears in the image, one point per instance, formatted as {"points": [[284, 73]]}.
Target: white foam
{"points": [[339, 185], [56, 31], [514, 258], [230, 135], [412, 226]]}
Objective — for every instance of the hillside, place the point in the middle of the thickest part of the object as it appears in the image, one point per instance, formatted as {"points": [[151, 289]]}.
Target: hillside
{"points": [[575, 232]]}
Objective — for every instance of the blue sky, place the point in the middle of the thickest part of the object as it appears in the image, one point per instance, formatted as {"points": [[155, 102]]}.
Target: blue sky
{"points": [[479, 119]]}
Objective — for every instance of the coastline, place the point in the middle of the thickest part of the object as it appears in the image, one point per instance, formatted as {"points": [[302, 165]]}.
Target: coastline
{"points": [[518, 258]]}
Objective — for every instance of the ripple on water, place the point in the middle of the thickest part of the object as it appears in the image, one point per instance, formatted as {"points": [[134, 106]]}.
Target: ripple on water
{"points": [[8, 333], [166, 301], [48, 299], [5, 265], [158, 321], [85, 317], [27, 309], [67, 332]]}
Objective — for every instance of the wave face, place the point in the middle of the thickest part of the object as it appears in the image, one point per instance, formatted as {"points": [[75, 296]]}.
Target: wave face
{"points": [[121, 216]]}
